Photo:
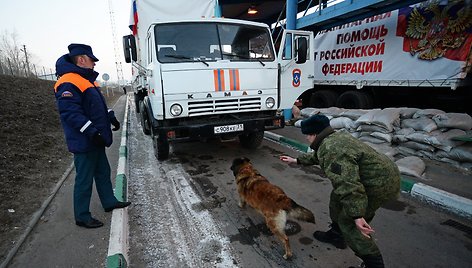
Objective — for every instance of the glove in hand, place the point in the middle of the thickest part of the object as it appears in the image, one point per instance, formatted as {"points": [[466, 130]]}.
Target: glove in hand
{"points": [[115, 123], [98, 140]]}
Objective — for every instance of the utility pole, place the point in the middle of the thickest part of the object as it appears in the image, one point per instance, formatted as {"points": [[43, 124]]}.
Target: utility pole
{"points": [[119, 69], [26, 58]]}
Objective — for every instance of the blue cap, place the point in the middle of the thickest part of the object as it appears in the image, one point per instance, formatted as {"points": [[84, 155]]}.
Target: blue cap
{"points": [[314, 124], [81, 49]]}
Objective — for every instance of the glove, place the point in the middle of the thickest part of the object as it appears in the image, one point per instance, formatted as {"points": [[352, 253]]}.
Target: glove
{"points": [[115, 123], [98, 140]]}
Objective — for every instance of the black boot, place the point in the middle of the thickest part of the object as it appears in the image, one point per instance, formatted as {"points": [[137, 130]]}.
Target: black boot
{"points": [[332, 236], [373, 261]]}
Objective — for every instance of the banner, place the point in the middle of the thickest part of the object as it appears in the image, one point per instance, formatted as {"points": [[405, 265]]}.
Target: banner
{"points": [[428, 41]]}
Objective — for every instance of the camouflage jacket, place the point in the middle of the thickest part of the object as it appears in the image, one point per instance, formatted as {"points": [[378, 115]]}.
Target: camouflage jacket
{"points": [[356, 171]]}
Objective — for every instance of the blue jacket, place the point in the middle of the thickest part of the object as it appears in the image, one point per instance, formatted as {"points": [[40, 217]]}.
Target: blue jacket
{"points": [[81, 106]]}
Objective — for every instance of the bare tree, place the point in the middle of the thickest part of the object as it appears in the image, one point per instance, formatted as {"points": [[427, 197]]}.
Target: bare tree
{"points": [[13, 55]]}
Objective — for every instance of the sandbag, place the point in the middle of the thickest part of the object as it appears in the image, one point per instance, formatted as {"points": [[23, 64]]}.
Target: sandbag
{"points": [[462, 153], [371, 139], [427, 113], [423, 124], [407, 113], [439, 139], [341, 122], [383, 136], [354, 114], [330, 112], [406, 151], [411, 166], [385, 149], [400, 135], [371, 128], [453, 120], [386, 118], [418, 146]]}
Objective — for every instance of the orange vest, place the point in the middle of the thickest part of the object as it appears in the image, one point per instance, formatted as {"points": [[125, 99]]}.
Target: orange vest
{"points": [[77, 80]]}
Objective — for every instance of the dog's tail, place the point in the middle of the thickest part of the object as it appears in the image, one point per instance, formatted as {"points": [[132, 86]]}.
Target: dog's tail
{"points": [[300, 213]]}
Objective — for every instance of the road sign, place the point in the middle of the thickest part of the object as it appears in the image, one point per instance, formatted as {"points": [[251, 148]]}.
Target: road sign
{"points": [[105, 77]]}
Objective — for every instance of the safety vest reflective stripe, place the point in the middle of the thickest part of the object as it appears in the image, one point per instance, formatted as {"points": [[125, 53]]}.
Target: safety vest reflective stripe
{"points": [[77, 80]]}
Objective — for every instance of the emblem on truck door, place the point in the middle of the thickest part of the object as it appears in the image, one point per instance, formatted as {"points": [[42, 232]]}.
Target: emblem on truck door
{"points": [[296, 73]]}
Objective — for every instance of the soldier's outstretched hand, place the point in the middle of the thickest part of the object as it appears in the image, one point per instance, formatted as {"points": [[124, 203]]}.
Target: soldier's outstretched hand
{"points": [[364, 227], [287, 159]]}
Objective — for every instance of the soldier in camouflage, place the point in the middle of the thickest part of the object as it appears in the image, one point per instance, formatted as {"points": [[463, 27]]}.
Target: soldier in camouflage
{"points": [[362, 180]]}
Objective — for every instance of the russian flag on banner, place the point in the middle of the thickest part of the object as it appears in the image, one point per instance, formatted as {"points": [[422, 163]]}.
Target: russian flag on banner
{"points": [[133, 20]]}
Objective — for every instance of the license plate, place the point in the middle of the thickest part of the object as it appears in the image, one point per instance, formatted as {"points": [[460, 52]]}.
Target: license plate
{"points": [[228, 128]]}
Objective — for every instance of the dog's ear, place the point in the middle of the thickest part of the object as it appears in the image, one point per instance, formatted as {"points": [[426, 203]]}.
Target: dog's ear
{"points": [[238, 162]]}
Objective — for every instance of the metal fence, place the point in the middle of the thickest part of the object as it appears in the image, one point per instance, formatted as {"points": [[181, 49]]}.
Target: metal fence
{"points": [[21, 69]]}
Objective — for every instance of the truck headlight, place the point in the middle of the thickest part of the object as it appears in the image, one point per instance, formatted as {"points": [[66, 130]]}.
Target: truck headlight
{"points": [[270, 102], [176, 109]]}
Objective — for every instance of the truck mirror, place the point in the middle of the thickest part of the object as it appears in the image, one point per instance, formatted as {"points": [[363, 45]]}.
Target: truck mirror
{"points": [[129, 48], [302, 47]]}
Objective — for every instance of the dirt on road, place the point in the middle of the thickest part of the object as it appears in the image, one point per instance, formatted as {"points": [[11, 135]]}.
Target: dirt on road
{"points": [[33, 154]]}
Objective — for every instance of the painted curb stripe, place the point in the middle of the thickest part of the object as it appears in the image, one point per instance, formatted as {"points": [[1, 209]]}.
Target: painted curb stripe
{"points": [[451, 202], [117, 261], [121, 191], [294, 143], [455, 203], [406, 184], [123, 151], [118, 244]]}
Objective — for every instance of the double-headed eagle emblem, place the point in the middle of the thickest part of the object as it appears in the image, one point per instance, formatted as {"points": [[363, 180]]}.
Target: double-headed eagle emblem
{"points": [[438, 28]]}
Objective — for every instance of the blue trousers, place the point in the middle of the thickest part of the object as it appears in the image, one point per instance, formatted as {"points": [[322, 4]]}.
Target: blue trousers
{"points": [[89, 166]]}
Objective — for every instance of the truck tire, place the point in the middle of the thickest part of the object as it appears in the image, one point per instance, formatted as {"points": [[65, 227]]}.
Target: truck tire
{"points": [[251, 140], [323, 99], [144, 118], [136, 102], [353, 100], [161, 147]]}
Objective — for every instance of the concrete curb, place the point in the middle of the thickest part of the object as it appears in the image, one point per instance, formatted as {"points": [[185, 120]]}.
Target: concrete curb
{"points": [[118, 244], [450, 202]]}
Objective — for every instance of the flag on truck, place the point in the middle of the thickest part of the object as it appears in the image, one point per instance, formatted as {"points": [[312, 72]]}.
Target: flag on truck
{"points": [[133, 20]]}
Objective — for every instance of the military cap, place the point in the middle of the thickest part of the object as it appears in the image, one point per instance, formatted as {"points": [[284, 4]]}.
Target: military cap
{"points": [[314, 124], [81, 49]]}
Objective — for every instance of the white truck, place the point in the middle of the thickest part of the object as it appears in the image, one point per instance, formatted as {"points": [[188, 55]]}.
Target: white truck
{"points": [[417, 55], [197, 77]]}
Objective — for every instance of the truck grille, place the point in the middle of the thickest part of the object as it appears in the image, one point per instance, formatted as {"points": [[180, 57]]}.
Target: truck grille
{"points": [[204, 107]]}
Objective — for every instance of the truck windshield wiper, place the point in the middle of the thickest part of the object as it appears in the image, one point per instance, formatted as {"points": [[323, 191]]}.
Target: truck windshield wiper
{"points": [[187, 58], [243, 57]]}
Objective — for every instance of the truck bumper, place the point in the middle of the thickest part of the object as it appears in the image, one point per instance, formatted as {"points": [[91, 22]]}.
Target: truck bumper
{"points": [[189, 130]]}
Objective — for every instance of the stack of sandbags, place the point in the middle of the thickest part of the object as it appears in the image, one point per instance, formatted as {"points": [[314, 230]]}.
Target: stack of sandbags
{"points": [[430, 132], [409, 131]]}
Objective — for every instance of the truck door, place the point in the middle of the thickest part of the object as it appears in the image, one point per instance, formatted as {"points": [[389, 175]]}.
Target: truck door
{"points": [[296, 65]]}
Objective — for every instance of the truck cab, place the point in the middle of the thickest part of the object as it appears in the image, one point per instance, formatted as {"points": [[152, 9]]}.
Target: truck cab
{"points": [[206, 78]]}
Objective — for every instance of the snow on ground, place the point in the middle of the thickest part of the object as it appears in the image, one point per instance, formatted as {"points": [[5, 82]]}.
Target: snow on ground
{"points": [[165, 229]]}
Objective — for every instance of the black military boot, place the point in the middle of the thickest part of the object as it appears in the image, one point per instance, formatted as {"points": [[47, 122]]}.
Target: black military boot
{"points": [[373, 261], [332, 236]]}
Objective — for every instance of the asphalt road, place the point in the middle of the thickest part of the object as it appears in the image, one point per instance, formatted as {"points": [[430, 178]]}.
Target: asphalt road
{"points": [[185, 214]]}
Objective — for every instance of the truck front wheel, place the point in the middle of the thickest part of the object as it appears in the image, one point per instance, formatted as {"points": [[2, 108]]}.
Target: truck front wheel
{"points": [[251, 140], [161, 147], [145, 124]]}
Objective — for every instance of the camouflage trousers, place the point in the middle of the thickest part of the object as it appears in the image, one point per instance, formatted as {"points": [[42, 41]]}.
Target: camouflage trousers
{"points": [[361, 245]]}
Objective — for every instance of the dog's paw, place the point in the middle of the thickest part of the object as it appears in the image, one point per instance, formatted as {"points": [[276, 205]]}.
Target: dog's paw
{"points": [[287, 256], [242, 204]]}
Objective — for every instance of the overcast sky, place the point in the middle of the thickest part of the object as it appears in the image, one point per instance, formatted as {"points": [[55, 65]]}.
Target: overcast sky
{"points": [[47, 27]]}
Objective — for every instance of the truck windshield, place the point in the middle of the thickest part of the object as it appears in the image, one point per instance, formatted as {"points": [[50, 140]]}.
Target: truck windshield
{"points": [[203, 42]]}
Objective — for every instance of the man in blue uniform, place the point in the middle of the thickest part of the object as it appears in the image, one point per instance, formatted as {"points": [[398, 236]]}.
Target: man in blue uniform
{"points": [[87, 126]]}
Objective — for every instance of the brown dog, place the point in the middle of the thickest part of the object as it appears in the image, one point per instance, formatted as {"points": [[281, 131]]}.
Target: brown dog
{"points": [[271, 201]]}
